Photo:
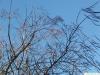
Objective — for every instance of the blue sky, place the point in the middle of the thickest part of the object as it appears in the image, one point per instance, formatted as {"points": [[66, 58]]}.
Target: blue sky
{"points": [[68, 9]]}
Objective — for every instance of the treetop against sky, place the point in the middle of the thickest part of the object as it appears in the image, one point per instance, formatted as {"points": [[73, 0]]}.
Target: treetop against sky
{"points": [[49, 37]]}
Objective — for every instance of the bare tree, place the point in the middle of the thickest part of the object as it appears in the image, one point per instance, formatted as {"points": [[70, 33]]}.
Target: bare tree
{"points": [[42, 45]]}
